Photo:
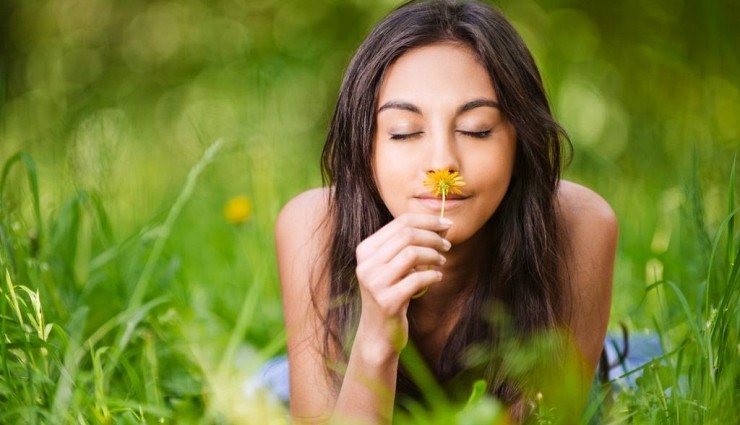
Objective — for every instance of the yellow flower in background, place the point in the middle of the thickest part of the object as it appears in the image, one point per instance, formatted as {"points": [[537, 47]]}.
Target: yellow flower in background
{"points": [[443, 182], [238, 209]]}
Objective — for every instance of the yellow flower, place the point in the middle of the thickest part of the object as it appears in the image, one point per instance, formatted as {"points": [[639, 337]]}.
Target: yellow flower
{"points": [[442, 183], [238, 209]]}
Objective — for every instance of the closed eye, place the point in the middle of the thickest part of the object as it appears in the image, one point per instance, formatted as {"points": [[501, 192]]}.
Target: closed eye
{"points": [[404, 136], [476, 134]]}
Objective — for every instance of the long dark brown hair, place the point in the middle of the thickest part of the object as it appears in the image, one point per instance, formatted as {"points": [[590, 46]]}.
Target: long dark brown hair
{"points": [[521, 267]]}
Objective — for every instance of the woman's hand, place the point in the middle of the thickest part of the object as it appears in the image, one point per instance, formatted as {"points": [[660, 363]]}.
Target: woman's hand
{"points": [[393, 264]]}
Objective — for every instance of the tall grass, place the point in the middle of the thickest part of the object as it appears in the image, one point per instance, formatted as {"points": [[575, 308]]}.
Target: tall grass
{"points": [[697, 380], [95, 329], [90, 330]]}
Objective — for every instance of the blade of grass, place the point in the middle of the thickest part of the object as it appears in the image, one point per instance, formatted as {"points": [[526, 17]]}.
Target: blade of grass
{"points": [[654, 360], [150, 371], [106, 230], [4, 354], [721, 330], [733, 256], [137, 296], [691, 320], [63, 395], [8, 249], [730, 208], [697, 209], [242, 322], [13, 298], [712, 258], [274, 346], [101, 406], [166, 228], [662, 397], [33, 183], [115, 321], [420, 373], [677, 391]]}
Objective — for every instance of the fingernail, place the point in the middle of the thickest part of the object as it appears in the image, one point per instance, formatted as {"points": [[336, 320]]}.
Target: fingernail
{"points": [[442, 260], [446, 244], [439, 275], [445, 221]]}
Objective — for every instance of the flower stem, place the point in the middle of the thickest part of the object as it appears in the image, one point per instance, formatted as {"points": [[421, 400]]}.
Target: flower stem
{"points": [[442, 211]]}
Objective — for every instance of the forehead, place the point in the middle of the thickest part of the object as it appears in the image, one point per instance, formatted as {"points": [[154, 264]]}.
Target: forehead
{"points": [[445, 69]]}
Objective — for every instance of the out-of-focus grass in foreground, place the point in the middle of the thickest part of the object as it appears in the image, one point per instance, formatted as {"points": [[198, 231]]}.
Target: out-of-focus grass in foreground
{"points": [[99, 329]]}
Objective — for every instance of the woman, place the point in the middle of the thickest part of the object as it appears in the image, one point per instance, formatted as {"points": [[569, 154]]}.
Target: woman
{"points": [[367, 264]]}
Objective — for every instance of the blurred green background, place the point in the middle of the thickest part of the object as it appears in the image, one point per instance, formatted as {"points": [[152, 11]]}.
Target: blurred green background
{"points": [[119, 99]]}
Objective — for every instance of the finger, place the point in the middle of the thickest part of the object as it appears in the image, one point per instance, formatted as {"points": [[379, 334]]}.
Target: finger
{"points": [[416, 282], [406, 262], [395, 299], [408, 237], [400, 256], [420, 221]]}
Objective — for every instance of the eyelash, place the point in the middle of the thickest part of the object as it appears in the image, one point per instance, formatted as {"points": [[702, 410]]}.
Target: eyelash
{"points": [[403, 136], [474, 134], [477, 134]]}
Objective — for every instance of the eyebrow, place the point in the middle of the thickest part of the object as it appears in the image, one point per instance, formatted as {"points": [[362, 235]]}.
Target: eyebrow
{"points": [[405, 106], [477, 104]]}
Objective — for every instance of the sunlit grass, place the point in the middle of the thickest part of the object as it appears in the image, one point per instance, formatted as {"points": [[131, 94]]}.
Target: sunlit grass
{"points": [[117, 330], [102, 336]]}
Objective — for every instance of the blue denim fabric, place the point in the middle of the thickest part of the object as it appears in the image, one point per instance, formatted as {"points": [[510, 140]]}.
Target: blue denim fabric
{"points": [[274, 377], [643, 347]]}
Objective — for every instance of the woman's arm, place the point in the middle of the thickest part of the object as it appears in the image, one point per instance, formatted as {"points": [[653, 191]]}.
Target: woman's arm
{"points": [[386, 272], [301, 241], [590, 232]]}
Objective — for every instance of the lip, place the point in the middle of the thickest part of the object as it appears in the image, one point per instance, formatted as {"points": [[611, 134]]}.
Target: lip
{"points": [[449, 197], [434, 203]]}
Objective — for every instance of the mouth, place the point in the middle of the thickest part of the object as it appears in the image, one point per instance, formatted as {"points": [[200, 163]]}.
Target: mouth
{"points": [[433, 203], [449, 197]]}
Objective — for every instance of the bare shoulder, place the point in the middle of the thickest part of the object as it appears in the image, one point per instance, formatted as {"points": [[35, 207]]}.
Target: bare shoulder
{"points": [[304, 212], [581, 209], [301, 235], [590, 233]]}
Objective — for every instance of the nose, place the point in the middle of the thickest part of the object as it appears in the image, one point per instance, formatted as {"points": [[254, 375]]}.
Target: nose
{"points": [[443, 153]]}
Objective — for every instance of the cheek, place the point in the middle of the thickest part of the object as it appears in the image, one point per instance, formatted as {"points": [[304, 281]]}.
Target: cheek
{"points": [[493, 172], [497, 185], [392, 167], [492, 181], [397, 179], [384, 173]]}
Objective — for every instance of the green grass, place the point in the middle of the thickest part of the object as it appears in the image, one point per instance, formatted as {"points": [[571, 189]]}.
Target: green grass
{"points": [[100, 329], [102, 336]]}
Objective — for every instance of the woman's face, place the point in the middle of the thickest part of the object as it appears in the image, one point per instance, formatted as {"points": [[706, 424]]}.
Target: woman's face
{"points": [[437, 109]]}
